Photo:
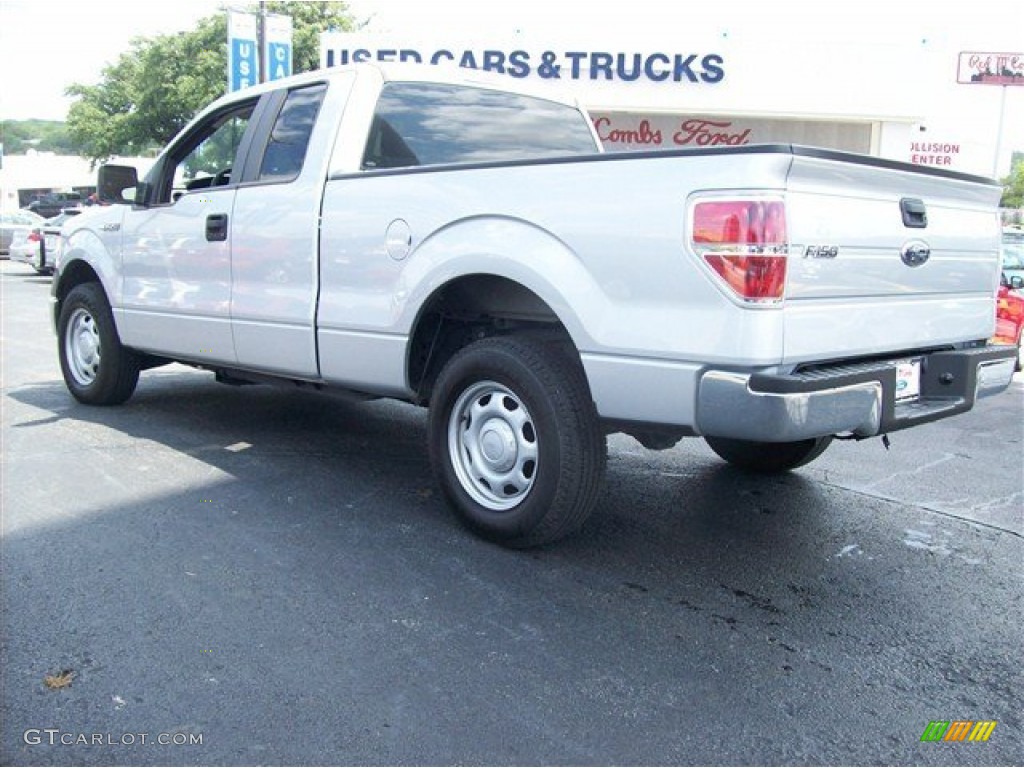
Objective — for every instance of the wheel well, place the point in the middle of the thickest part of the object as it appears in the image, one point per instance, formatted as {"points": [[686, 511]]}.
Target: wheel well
{"points": [[470, 308], [72, 275], [78, 273]]}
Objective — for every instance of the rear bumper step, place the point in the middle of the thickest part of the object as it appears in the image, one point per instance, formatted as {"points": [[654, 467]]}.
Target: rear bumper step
{"points": [[857, 399]]}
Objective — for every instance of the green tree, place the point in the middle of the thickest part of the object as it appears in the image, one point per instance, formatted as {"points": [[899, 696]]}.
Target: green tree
{"points": [[19, 136], [1013, 185], [145, 97]]}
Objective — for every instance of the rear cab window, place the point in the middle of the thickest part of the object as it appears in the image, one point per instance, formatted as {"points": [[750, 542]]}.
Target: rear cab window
{"points": [[417, 124], [286, 147]]}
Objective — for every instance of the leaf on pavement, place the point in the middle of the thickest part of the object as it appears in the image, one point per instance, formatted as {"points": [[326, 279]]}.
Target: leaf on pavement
{"points": [[61, 680]]}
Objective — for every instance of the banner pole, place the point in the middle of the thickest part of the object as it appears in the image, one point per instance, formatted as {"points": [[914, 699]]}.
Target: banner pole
{"points": [[999, 134]]}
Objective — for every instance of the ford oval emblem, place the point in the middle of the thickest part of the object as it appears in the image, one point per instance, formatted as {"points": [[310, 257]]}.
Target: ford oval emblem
{"points": [[915, 253]]}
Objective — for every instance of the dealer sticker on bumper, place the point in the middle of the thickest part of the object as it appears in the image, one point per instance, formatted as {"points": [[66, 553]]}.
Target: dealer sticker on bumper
{"points": [[908, 380]]}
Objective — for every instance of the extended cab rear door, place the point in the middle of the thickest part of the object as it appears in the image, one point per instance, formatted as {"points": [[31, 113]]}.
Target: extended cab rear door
{"points": [[275, 229]]}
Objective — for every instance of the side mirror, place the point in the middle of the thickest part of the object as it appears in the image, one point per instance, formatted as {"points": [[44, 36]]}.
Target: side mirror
{"points": [[117, 184], [1017, 282]]}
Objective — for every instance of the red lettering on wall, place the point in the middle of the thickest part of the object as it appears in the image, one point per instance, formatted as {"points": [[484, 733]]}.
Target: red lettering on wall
{"points": [[709, 133], [642, 134]]}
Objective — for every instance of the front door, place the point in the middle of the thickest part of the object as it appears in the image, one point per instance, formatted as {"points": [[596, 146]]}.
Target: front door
{"points": [[177, 256]]}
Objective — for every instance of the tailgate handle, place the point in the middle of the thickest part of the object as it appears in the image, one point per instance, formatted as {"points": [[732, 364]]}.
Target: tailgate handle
{"points": [[914, 214]]}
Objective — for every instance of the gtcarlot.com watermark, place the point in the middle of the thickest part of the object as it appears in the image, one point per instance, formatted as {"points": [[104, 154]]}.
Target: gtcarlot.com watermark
{"points": [[56, 737]]}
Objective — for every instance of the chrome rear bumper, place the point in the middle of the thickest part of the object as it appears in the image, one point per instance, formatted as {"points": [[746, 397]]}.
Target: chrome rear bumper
{"points": [[857, 399]]}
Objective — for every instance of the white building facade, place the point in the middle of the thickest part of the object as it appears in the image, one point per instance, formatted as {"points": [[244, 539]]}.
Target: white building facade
{"points": [[22, 176], [893, 98]]}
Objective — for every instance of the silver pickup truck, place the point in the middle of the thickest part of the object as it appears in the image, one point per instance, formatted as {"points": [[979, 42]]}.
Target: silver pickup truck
{"points": [[456, 241]]}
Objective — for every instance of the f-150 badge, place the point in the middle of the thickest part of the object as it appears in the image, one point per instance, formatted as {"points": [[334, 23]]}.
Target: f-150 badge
{"points": [[821, 252]]}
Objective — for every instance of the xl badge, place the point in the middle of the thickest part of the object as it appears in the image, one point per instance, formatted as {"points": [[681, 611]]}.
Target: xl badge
{"points": [[915, 253]]}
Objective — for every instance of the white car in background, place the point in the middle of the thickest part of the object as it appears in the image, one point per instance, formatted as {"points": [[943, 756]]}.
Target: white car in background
{"points": [[38, 246], [13, 222]]}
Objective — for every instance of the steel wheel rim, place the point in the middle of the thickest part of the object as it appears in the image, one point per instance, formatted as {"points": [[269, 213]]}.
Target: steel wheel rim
{"points": [[493, 447], [82, 345]]}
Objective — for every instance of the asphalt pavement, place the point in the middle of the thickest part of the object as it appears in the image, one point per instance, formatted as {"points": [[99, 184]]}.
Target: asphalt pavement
{"points": [[211, 575]]}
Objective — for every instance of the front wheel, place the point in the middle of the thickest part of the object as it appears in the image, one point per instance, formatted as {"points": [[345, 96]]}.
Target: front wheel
{"points": [[96, 368], [515, 442], [768, 457]]}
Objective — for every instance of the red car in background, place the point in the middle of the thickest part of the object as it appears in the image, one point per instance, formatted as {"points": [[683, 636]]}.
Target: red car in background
{"points": [[1010, 317], [1010, 299]]}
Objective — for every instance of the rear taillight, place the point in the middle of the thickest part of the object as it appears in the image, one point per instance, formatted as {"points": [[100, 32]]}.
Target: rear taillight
{"points": [[34, 236], [745, 244]]}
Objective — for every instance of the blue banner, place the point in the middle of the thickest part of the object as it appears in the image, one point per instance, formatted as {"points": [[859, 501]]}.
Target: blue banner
{"points": [[243, 51], [278, 61], [245, 64]]}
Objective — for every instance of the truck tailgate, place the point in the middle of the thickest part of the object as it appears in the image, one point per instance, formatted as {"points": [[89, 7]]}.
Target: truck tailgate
{"points": [[885, 257]]}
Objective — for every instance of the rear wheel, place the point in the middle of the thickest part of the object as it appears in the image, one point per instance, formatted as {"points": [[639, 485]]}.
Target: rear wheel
{"points": [[515, 441], [96, 368], [768, 457]]}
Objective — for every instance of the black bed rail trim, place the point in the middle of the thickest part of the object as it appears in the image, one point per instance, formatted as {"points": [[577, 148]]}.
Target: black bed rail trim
{"points": [[660, 154]]}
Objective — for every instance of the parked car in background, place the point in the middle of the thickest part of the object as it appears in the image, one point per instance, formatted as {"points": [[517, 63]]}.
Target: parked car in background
{"points": [[38, 246], [1010, 317], [54, 203], [1013, 253], [1010, 299], [12, 222]]}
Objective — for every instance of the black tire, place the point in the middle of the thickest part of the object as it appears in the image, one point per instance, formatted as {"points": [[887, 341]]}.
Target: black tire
{"points": [[768, 457], [536, 437], [96, 368]]}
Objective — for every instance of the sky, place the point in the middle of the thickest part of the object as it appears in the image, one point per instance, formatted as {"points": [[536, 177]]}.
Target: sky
{"points": [[47, 45]]}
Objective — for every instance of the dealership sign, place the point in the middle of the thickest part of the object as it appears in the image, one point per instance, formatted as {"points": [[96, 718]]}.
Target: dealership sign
{"points": [[625, 131], [277, 53], [342, 48], [990, 68], [934, 152], [243, 51]]}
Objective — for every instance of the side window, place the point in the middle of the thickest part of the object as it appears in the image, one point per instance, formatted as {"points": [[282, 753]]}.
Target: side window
{"points": [[206, 156], [431, 124], [289, 138]]}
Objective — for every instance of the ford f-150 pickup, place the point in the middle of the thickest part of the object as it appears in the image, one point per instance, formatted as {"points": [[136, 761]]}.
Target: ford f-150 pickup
{"points": [[456, 241]]}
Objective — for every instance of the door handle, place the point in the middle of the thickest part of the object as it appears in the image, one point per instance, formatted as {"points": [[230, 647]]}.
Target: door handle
{"points": [[217, 227]]}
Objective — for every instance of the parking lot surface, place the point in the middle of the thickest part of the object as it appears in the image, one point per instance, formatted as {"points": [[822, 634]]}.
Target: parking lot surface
{"points": [[212, 575]]}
